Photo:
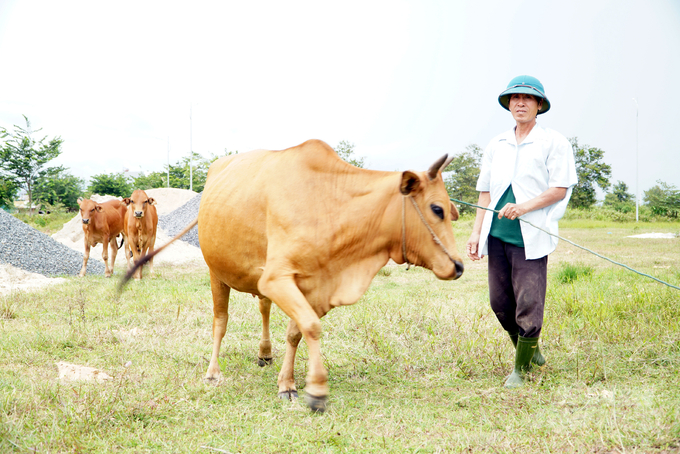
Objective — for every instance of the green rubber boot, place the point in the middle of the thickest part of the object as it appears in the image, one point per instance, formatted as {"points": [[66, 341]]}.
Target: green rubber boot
{"points": [[526, 348], [538, 358]]}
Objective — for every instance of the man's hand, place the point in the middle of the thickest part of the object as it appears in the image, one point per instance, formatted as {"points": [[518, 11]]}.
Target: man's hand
{"points": [[472, 247], [512, 211]]}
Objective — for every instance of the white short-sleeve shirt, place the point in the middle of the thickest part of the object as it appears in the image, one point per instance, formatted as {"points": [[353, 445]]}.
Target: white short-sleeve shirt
{"points": [[543, 160]]}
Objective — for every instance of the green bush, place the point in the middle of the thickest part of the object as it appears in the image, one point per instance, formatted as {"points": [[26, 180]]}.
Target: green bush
{"points": [[570, 272]]}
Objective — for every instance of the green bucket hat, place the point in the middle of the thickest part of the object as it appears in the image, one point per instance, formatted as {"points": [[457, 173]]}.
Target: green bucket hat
{"points": [[527, 85]]}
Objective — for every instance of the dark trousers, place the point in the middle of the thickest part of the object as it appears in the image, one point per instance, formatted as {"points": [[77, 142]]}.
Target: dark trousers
{"points": [[517, 288]]}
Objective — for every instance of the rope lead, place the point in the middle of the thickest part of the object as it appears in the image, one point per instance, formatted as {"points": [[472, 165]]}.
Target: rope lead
{"points": [[572, 243]]}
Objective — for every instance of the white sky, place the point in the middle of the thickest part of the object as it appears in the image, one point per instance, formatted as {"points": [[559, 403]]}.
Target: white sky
{"points": [[405, 81]]}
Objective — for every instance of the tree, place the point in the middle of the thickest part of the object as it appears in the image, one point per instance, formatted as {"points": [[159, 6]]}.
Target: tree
{"points": [[663, 199], [345, 150], [8, 192], [591, 171], [58, 187], [150, 181], [23, 157], [110, 184], [620, 199], [179, 173], [461, 182]]}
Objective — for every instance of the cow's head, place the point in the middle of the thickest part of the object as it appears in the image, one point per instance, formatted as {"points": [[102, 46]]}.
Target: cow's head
{"points": [[429, 239], [88, 208], [138, 203]]}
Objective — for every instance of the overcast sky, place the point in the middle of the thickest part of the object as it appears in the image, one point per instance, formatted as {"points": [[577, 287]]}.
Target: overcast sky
{"points": [[405, 81]]}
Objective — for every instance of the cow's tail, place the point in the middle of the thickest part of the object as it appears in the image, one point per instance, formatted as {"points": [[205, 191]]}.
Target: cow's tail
{"points": [[122, 240], [145, 258]]}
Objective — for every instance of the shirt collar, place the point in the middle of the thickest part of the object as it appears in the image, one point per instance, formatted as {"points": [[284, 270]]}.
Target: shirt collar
{"points": [[536, 134]]}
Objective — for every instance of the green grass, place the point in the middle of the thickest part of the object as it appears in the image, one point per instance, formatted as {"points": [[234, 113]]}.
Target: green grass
{"points": [[416, 366], [47, 223]]}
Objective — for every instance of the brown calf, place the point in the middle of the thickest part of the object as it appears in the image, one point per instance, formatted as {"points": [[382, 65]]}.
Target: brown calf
{"points": [[139, 227], [102, 223]]}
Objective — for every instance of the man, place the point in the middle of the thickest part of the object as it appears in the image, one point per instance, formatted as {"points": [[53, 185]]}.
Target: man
{"points": [[528, 173]]}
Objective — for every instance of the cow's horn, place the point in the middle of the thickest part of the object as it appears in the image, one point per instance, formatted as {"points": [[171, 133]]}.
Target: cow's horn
{"points": [[432, 173], [446, 164]]}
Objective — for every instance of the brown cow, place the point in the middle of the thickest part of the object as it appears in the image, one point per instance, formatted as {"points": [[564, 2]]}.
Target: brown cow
{"points": [[305, 229], [140, 224], [102, 223]]}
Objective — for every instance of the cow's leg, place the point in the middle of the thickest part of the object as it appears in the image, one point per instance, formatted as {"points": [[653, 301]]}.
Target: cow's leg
{"points": [[286, 382], [86, 257], [265, 354], [136, 254], [220, 292], [105, 256], [114, 252], [282, 290], [152, 242], [128, 254]]}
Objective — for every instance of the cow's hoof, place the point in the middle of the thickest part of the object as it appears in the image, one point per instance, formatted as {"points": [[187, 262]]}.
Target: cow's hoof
{"points": [[291, 395], [316, 404], [264, 361], [212, 380]]}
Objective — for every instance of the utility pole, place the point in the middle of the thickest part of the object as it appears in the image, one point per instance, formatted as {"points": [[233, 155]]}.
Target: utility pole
{"points": [[168, 161], [191, 149], [637, 164]]}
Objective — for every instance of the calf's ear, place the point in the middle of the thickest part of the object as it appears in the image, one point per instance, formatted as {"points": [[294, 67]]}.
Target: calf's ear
{"points": [[454, 212], [80, 200], [126, 201], [410, 183], [98, 208], [152, 201]]}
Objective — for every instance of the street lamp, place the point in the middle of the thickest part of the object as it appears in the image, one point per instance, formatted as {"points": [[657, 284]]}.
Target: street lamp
{"points": [[637, 164], [191, 149]]}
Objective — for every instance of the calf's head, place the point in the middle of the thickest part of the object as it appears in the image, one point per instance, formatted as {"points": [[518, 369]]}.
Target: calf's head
{"points": [[427, 215], [88, 209], [138, 202]]}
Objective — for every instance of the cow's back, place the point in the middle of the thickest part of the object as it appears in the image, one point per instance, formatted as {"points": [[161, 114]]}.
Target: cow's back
{"points": [[114, 215]]}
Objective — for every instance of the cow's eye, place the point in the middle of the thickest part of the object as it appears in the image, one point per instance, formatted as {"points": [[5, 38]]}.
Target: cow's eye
{"points": [[436, 209]]}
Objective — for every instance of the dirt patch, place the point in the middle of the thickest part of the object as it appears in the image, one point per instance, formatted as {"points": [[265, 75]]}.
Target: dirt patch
{"points": [[74, 372], [13, 279], [654, 235]]}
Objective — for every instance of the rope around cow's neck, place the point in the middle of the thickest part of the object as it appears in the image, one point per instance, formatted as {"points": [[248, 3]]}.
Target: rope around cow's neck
{"points": [[572, 243], [422, 218]]}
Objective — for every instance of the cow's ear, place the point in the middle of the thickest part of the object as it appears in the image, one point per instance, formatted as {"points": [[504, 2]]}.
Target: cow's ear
{"points": [[454, 212], [151, 201], [98, 208], [410, 183], [126, 201], [80, 200]]}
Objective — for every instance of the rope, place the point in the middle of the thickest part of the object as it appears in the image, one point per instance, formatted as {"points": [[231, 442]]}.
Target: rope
{"points": [[435, 238], [573, 244], [403, 233], [434, 235]]}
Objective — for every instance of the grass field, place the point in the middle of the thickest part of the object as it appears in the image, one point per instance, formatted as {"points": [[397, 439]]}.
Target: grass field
{"points": [[417, 365]]}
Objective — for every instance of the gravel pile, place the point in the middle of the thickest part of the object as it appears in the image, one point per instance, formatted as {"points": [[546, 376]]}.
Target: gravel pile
{"points": [[24, 247], [174, 222]]}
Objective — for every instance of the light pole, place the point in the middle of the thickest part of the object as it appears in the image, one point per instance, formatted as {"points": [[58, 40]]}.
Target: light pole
{"points": [[191, 149], [637, 163], [168, 161]]}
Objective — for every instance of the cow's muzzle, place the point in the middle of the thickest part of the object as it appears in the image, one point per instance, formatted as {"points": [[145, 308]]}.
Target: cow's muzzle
{"points": [[459, 268], [139, 214], [86, 221]]}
